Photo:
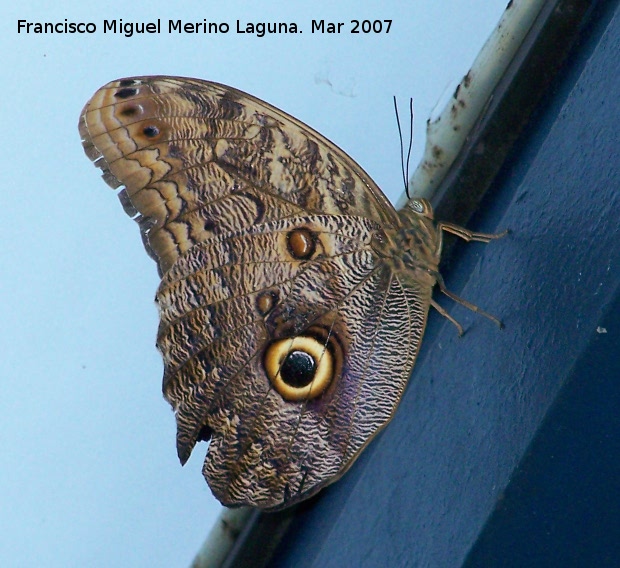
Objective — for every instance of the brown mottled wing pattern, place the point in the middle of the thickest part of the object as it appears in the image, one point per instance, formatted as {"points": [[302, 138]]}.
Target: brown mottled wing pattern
{"points": [[166, 139], [264, 232]]}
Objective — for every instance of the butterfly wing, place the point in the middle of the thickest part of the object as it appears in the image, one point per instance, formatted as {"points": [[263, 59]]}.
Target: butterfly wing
{"points": [[216, 333], [168, 139], [265, 234]]}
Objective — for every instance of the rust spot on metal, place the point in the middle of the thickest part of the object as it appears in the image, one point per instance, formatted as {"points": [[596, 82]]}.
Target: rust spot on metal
{"points": [[466, 82]]}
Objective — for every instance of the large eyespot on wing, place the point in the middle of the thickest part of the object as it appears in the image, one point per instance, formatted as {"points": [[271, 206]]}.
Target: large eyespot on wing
{"points": [[198, 159], [300, 368]]}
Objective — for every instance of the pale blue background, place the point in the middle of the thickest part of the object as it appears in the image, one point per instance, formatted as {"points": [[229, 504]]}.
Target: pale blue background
{"points": [[88, 469]]}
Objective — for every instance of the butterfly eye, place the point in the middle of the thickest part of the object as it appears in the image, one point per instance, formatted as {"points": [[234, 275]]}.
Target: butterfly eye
{"points": [[416, 205], [421, 206], [300, 368]]}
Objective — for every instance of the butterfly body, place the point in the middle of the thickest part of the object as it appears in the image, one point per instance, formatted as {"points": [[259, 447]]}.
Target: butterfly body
{"points": [[293, 296]]}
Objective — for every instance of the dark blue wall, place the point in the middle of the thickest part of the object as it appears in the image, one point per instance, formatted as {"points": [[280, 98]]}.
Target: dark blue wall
{"points": [[505, 449]]}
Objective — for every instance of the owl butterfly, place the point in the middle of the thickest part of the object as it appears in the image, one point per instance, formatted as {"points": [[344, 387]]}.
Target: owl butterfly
{"points": [[293, 295]]}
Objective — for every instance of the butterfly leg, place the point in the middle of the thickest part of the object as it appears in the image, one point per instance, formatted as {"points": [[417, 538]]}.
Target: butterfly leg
{"points": [[463, 302], [467, 235], [446, 315]]}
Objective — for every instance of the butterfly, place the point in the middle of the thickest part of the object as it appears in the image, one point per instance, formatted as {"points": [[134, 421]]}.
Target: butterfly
{"points": [[293, 296]]}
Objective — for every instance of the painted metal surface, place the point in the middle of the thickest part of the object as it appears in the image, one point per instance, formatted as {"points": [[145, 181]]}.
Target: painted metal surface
{"points": [[447, 133]]}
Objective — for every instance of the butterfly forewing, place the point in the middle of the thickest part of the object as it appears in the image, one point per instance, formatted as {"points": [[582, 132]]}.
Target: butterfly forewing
{"points": [[196, 157]]}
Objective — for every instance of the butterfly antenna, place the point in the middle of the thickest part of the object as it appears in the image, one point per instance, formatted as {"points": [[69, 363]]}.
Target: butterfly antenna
{"points": [[402, 153], [405, 165], [410, 140]]}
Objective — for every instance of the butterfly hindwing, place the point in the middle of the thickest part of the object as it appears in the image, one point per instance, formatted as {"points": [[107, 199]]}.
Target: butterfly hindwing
{"points": [[266, 450]]}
